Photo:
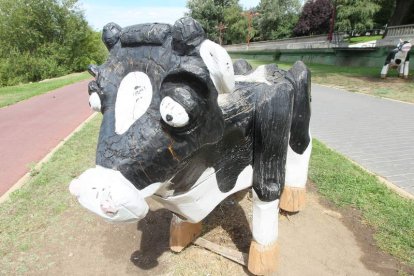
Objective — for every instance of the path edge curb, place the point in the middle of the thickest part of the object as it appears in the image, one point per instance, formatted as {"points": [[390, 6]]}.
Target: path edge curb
{"points": [[23, 180]]}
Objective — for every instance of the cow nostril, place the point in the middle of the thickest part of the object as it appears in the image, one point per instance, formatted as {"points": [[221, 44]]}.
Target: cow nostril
{"points": [[169, 118]]}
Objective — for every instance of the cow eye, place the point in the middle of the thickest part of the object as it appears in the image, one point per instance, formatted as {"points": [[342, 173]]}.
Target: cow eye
{"points": [[173, 113]]}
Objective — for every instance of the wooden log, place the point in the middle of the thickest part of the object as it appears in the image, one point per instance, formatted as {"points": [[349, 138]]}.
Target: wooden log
{"points": [[263, 259], [182, 233], [293, 199], [236, 256]]}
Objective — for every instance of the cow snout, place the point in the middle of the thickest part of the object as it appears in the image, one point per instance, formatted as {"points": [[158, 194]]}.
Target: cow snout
{"points": [[109, 194]]}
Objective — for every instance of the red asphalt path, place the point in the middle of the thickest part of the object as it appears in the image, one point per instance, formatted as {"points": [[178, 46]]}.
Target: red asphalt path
{"points": [[29, 130]]}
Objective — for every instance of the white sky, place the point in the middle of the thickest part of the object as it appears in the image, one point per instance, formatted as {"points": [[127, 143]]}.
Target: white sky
{"points": [[129, 12]]}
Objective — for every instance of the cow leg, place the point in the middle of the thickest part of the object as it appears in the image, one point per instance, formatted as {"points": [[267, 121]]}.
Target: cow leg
{"points": [[272, 123], [293, 198], [300, 143], [406, 69], [264, 248], [182, 233], [384, 71], [401, 70]]}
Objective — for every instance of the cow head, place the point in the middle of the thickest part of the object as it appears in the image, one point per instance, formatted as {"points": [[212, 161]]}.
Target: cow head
{"points": [[158, 96], [404, 46]]}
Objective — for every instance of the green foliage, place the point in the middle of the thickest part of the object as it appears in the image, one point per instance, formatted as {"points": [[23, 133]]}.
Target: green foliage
{"points": [[45, 38], [384, 13], [355, 15], [210, 13], [277, 18]]}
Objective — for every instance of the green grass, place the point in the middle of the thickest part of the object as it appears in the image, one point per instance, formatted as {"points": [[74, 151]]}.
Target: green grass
{"points": [[357, 79], [360, 39], [347, 185], [12, 94], [37, 204]]}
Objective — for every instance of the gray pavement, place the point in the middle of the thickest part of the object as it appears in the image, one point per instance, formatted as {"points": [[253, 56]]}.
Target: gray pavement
{"points": [[374, 132]]}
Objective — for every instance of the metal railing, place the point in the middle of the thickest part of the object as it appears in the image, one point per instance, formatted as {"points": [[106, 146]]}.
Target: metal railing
{"points": [[400, 31]]}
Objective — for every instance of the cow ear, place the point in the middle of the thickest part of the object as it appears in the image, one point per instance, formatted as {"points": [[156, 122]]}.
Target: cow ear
{"points": [[187, 34], [219, 65]]}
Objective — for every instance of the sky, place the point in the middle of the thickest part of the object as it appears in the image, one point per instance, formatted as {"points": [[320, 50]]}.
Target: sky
{"points": [[130, 12]]}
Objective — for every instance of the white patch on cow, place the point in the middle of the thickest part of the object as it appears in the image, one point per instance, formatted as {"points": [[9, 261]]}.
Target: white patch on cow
{"points": [[258, 75], [204, 196], [265, 220], [95, 102], [110, 195], [384, 71], [219, 65], [132, 101], [173, 113], [297, 167]]}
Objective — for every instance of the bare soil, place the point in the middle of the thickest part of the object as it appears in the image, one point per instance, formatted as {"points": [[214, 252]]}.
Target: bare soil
{"points": [[317, 241]]}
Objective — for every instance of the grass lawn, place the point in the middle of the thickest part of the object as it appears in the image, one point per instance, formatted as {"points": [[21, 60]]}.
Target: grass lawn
{"points": [[12, 94], [360, 39], [358, 79], [40, 202]]}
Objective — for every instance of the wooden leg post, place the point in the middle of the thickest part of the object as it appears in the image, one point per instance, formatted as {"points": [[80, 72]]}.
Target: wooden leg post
{"points": [[264, 249], [263, 259], [182, 233], [293, 199]]}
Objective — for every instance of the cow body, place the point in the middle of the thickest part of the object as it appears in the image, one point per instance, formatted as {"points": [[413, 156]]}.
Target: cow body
{"points": [[398, 58], [179, 126]]}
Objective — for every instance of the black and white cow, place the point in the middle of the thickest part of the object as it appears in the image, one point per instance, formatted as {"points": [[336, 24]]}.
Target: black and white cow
{"points": [[181, 127], [398, 58]]}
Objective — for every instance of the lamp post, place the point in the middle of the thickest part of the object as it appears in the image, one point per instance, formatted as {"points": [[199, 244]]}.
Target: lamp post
{"points": [[249, 15], [332, 25]]}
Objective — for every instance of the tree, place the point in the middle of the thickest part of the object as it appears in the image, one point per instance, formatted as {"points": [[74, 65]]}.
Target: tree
{"points": [[403, 14], [355, 15], [215, 13], [277, 18], [314, 18], [45, 38], [384, 14]]}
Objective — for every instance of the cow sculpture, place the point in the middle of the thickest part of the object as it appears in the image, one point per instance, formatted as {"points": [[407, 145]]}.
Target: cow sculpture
{"points": [[398, 58], [185, 127]]}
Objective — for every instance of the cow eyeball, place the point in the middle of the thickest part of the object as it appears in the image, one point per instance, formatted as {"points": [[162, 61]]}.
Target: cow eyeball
{"points": [[173, 113]]}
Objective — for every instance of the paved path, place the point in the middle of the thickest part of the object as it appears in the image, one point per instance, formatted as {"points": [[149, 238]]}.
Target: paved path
{"points": [[29, 130], [376, 133]]}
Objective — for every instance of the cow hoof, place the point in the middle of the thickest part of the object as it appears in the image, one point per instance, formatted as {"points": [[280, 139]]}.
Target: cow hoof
{"points": [[293, 199], [182, 233], [263, 259], [383, 76]]}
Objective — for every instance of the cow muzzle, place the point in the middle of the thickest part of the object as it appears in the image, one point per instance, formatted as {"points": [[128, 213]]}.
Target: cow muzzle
{"points": [[110, 195]]}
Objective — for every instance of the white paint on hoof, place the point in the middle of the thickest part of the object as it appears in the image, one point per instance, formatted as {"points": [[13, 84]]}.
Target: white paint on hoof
{"points": [[204, 196], [219, 65], [95, 102], [132, 101], [258, 75], [265, 220], [384, 70], [173, 113], [297, 167], [406, 68], [110, 195]]}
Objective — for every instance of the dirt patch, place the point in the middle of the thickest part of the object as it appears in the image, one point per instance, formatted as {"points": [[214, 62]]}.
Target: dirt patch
{"points": [[318, 241]]}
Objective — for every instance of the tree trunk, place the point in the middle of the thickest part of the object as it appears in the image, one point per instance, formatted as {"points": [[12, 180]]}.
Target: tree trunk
{"points": [[403, 14]]}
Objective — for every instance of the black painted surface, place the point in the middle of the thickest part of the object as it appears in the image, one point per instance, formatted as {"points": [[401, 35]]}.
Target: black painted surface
{"points": [[251, 125]]}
